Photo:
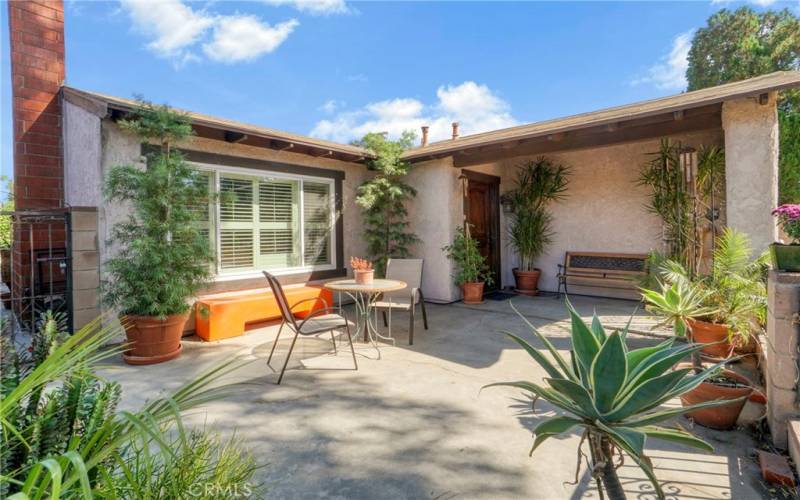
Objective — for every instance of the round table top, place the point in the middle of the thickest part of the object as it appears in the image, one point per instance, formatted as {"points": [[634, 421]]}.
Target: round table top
{"points": [[377, 286]]}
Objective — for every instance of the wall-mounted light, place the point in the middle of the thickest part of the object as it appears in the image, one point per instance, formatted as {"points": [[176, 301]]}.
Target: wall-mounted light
{"points": [[506, 203], [464, 185]]}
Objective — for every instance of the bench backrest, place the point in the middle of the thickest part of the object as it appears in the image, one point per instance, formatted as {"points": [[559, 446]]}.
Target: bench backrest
{"points": [[616, 263]]}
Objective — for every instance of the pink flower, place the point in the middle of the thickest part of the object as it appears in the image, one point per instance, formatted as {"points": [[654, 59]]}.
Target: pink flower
{"points": [[789, 212]]}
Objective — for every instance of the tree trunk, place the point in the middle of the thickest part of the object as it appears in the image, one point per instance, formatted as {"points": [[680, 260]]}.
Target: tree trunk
{"points": [[603, 459]]}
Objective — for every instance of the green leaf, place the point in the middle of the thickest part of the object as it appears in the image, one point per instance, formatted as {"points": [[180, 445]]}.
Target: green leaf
{"points": [[597, 328], [552, 427], [658, 363], [578, 394], [552, 397], [634, 440], [695, 380], [676, 436], [661, 416], [565, 367], [638, 355], [609, 370], [646, 395], [584, 341], [537, 356]]}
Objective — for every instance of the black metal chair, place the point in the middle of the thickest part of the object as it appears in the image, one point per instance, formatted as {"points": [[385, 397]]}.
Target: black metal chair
{"points": [[319, 321]]}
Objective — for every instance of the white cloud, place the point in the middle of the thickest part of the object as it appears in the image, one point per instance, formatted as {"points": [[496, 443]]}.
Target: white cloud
{"points": [[670, 72], [318, 7], [474, 106], [171, 24], [331, 105], [176, 30], [244, 38]]}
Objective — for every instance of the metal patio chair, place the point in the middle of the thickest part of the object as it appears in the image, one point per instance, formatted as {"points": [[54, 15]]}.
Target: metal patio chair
{"points": [[319, 321], [407, 299]]}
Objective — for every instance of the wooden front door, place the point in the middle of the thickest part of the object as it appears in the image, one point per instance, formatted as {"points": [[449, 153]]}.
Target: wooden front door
{"points": [[482, 211]]}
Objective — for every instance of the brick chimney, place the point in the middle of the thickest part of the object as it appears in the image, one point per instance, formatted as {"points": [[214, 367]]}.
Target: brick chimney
{"points": [[36, 28]]}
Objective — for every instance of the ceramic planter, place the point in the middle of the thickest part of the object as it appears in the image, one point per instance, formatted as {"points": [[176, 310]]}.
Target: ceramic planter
{"points": [[527, 281], [473, 292], [785, 257], [720, 417], [714, 334], [153, 340], [364, 277]]}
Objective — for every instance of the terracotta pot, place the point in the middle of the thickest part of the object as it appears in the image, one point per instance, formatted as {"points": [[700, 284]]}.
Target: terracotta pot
{"points": [[153, 340], [473, 293], [714, 334], [785, 257], [752, 346], [527, 281], [720, 417], [364, 277]]}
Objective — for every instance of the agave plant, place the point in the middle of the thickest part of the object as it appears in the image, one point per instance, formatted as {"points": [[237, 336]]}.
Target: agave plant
{"points": [[677, 303], [613, 394]]}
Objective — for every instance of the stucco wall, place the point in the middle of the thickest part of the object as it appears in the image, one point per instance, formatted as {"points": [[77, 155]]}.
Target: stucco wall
{"points": [[82, 156], [751, 164], [122, 148], [434, 216], [605, 208]]}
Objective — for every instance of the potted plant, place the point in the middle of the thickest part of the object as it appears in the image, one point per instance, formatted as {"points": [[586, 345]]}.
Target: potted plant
{"points": [[538, 183], [472, 272], [162, 258], [362, 270], [787, 257], [613, 396]]}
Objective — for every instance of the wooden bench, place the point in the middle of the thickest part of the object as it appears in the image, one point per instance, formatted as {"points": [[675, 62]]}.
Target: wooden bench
{"points": [[614, 274], [225, 315]]}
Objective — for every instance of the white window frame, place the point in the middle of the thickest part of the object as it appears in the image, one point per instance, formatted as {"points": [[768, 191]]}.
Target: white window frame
{"points": [[216, 170]]}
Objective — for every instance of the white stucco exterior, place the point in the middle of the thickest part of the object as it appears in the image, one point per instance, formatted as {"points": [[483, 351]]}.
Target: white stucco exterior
{"points": [[751, 164]]}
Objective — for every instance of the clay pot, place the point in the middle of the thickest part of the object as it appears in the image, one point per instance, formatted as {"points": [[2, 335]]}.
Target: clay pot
{"points": [[364, 277], [473, 292], [153, 340], [703, 332], [752, 346], [527, 281], [720, 417]]}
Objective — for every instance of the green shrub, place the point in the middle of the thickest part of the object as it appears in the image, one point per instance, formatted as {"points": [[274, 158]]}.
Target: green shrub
{"points": [[471, 266], [164, 258], [789, 187]]}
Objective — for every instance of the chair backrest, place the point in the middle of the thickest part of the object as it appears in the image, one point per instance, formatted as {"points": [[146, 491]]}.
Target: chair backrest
{"points": [[408, 270], [280, 297]]}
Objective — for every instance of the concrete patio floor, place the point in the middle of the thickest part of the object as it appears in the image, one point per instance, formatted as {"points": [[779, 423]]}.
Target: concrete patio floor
{"points": [[415, 424]]}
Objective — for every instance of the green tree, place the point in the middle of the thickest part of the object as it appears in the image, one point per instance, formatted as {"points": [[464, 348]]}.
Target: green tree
{"points": [[6, 206], [383, 199], [164, 258], [740, 44]]}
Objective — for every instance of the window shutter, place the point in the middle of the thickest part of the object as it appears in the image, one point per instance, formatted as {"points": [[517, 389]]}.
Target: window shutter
{"points": [[317, 223], [236, 248], [236, 235], [236, 204], [278, 215]]}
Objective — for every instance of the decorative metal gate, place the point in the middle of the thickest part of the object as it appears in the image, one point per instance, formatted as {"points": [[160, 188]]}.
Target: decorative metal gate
{"points": [[36, 271]]}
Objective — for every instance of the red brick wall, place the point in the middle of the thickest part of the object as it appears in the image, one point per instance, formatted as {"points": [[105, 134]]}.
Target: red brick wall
{"points": [[37, 69]]}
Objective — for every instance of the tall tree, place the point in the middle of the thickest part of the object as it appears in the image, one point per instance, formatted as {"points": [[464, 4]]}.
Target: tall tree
{"points": [[383, 199], [740, 44]]}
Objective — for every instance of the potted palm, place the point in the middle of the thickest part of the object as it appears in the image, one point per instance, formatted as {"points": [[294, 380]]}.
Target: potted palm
{"points": [[163, 258], [538, 183], [472, 272], [787, 257], [613, 395]]}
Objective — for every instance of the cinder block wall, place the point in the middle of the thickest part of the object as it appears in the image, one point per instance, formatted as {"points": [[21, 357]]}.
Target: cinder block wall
{"points": [[782, 353], [85, 266]]}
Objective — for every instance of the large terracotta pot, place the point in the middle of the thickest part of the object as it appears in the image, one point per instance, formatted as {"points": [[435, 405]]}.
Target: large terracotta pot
{"points": [[527, 281], [720, 417], [153, 340], [785, 257], [473, 293], [714, 334]]}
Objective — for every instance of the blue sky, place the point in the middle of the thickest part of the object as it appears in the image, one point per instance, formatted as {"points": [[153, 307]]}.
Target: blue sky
{"points": [[336, 69]]}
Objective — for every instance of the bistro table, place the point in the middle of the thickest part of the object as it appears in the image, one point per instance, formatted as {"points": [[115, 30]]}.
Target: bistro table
{"points": [[365, 297]]}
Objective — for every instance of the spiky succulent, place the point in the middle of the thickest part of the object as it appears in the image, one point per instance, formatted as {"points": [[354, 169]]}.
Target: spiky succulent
{"points": [[613, 392]]}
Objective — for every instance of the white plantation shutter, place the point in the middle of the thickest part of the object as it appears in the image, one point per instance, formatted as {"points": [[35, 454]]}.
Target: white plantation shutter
{"points": [[271, 223], [278, 213], [317, 223]]}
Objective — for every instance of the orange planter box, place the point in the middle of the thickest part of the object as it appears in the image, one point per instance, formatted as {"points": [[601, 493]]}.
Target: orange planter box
{"points": [[225, 315]]}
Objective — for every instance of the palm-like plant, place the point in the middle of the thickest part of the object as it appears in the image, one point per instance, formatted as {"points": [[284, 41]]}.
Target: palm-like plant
{"points": [[614, 394]]}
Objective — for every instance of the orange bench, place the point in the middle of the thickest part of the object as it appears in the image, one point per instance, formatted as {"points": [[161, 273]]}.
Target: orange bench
{"points": [[225, 315]]}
